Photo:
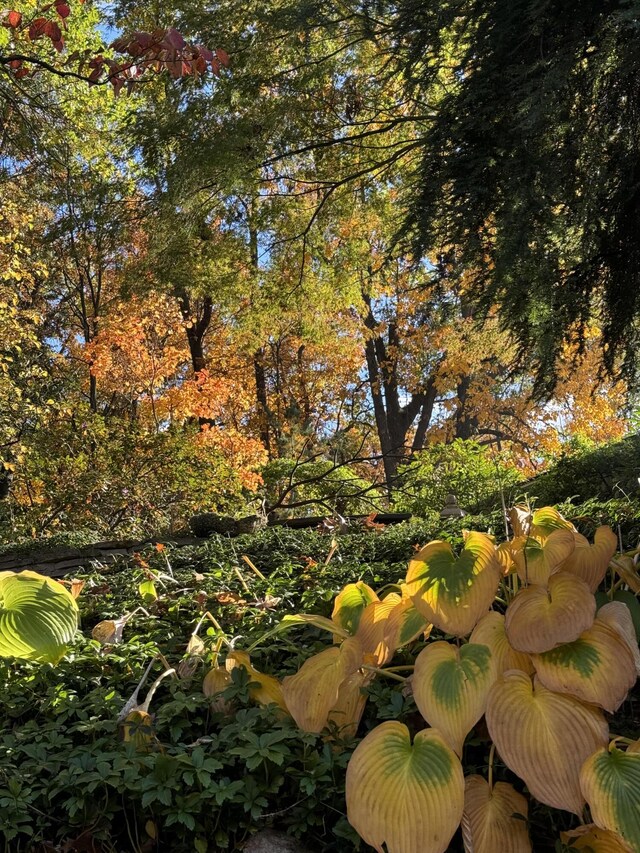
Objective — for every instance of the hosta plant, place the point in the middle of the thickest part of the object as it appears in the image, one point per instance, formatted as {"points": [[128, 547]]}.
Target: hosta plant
{"points": [[512, 634], [38, 617]]}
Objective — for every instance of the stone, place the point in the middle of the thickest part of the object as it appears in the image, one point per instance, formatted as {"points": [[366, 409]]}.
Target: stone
{"points": [[451, 508]]}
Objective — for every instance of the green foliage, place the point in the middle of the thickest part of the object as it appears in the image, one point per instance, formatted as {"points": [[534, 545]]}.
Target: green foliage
{"points": [[316, 487], [214, 782], [214, 779], [474, 473], [87, 471], [526, 165], [587, 473]]}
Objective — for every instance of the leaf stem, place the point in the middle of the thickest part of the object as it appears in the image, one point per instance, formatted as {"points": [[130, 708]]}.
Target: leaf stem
{"points": [[492, 753]]}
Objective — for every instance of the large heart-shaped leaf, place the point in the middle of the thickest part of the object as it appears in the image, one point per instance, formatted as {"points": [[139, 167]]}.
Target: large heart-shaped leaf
{"points": [[598, 667], [544, 737], [547, 519], [494, 819], [593, 839], [610, 781], [537, 559], [590, 562], [450, 687], [454, 592], [38, 617], [350, 604], [313, 691], [490, 631], [407, 796], [618, 616], [539, 618]]}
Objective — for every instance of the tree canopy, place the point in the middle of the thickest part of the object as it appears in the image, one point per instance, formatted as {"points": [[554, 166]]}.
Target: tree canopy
{"points": [[529, 171], [206, 302]]}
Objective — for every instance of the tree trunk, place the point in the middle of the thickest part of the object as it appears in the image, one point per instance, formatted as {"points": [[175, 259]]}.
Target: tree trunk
{"points": [[262, 399]]}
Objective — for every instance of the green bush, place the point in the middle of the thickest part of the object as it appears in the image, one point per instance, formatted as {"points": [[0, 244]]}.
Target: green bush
{"points": [[474, 473], [317, 487], [586, 472]]}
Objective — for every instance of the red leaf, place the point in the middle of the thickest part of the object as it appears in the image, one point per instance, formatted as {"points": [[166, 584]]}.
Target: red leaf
{"points": [[223, 56], [53, 31], [117, 83], [14, 19], [59, 45], [63, 10], [175, 39], [22, 72], [15, 64], [38, 28], [95, 74], [205, 52], [120, 44]]}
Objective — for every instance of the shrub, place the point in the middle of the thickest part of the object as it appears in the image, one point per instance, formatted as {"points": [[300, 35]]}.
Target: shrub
{"points": [[474, 473]]}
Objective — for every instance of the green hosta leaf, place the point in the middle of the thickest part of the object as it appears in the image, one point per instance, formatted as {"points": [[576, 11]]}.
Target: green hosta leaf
{"points": [[450, 686], [38, 617], [610, 782]]}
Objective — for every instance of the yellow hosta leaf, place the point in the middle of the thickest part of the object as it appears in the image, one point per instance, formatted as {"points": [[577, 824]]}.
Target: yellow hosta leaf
{"points": [[350, 604], [347, 712], [520, 519], [544, 737], [490, 631], [538, 619], [618, 616], [547, 519], [372, 630], [598, 667], [405, 624], [268, 690], [494, 819], [505, 552], [450, 687], [454, 592], [313, 691], [593, 839], [610, 781], [536, 560], [590, 562], [407, 796], [628, 571], [214, 684]]}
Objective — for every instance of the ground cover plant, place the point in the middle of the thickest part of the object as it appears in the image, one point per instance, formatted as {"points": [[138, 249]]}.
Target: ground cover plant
{"points": [[204, 753]]}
